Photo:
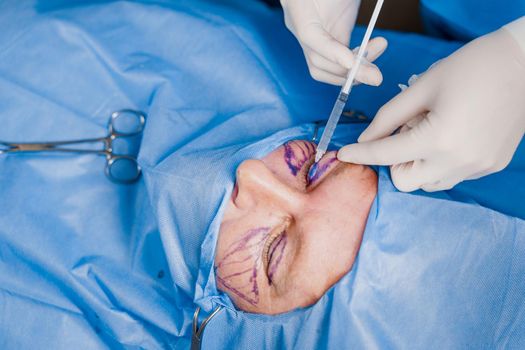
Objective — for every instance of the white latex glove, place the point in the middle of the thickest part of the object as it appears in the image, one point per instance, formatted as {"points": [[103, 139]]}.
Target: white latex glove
{"points": [[462, 119], [323, 29]]}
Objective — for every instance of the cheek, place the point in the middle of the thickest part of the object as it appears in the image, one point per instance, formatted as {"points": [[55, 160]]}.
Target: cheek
{"points": [[324, 258], [238, 263], [347, 188]]}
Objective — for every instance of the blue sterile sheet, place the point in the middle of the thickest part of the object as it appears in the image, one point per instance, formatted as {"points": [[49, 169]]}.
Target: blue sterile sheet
{"points": [[89, 264], [468, 19]]}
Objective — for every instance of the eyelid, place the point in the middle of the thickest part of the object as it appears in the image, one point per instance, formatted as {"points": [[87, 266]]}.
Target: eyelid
{"points": [[276, 232], [303, 173]]}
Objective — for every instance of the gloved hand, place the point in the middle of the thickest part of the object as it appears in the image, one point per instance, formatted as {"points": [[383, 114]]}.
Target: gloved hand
{"points": [[462, 119], [323, 28]]}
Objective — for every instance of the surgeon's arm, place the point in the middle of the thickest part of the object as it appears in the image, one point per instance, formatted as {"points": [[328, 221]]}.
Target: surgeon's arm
{"points": [[463, 119]]}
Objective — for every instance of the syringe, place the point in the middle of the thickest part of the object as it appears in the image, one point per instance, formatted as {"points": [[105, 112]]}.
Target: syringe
{"points": [[347, 87]]}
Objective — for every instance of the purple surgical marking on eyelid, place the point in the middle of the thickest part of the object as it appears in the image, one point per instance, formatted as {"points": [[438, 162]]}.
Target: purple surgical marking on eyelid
{"points": [[312, 171], [251, 243], [295, 164], [274, 246], [317, 170]]}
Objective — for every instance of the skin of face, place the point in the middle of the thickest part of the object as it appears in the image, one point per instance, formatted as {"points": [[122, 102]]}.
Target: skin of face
{"points": [[291, 230]]}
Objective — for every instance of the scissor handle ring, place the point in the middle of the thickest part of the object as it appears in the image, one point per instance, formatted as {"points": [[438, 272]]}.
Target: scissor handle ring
{"points": [[114, 159], [114, 116]]}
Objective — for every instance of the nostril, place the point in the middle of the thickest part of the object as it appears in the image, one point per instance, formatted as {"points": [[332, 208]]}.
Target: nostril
{"points": [[235, 192], [247, 184]]}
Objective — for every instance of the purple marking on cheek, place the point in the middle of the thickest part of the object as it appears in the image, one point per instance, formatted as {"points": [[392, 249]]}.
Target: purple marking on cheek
{"points": [[253, 279], [248, 240], [278, 252], [316, 171], [237, 273], [294, 160], [248, 247], [236, 291]]}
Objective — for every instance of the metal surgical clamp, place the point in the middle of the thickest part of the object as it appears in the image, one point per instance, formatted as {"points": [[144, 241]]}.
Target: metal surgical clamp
{"points": [[119, 168], [196, 336]]}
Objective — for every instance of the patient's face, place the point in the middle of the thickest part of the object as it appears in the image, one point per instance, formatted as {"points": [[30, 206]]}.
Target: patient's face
{"points": [[290, 232]]}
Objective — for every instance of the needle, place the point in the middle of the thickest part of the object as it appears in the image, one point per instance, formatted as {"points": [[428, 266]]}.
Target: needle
{"points": [[347, 87]]}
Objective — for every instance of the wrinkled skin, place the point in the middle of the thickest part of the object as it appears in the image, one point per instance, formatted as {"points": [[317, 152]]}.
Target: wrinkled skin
{"points": [[290, 230]]}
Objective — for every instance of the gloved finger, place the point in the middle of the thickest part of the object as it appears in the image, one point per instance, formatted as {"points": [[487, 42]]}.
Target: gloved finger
{"points": [[490, 169], [326, 77], [401, 177], [479, 174], [376, 47], [320, 41], [406, 105], [405, 128], [342, 28], [395, 149], [411, 176], [412, 123], [442, 185], [369, 74], [326, 46], [323, 64], [428, 175]]}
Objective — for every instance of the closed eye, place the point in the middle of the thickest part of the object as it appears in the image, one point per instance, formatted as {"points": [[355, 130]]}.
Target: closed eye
{"points": [[266, 250], [272, 238], [303, 173]]}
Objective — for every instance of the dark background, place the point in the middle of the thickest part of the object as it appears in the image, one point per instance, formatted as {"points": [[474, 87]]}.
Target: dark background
{"points": [[398, 14]]}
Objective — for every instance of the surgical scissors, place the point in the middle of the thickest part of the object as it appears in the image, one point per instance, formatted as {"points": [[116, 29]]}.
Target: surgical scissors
{"points": [[120, 168]]}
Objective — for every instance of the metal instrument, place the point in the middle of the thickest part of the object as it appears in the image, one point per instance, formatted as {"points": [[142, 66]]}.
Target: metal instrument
{"points": [[197, 332], [347, 87], [120, 168], [348, 117]]}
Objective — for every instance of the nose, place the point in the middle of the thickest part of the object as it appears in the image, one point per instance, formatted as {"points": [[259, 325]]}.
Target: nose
{"points": [[258, 185]]}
